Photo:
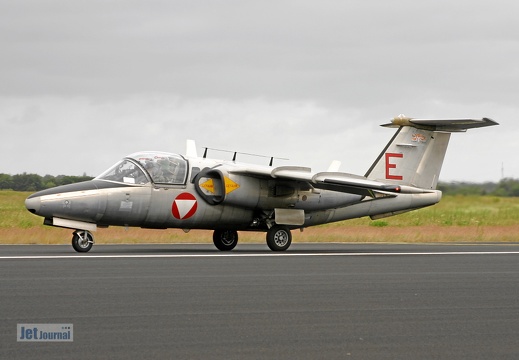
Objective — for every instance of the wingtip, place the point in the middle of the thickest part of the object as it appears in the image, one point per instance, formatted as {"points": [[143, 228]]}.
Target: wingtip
{"points": [[490, 122]]}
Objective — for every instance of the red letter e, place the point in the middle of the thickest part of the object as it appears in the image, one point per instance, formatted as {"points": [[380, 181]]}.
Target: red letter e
{"points": [[390, 165]]}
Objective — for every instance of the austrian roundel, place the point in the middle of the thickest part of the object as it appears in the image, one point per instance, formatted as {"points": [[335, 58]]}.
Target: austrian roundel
{"points": [[184, 206]]}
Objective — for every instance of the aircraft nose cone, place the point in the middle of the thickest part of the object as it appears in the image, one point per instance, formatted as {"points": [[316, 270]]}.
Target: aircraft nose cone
{"points": [[33, 204]]}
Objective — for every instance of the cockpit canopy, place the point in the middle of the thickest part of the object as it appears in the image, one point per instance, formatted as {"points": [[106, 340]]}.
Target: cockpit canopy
{"points": [[143, 167]]}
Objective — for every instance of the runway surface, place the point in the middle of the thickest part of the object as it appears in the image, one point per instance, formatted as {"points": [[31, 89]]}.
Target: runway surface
{"points": [[366, 301]]}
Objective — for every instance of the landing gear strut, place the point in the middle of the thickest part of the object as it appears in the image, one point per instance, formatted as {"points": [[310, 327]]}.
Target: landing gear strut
{"points": [[225, 240], [279, 238], [82, 240]]}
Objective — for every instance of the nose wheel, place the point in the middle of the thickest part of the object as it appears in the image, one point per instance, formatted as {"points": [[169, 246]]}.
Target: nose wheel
{"points": [[82, 240], [225, 240]]}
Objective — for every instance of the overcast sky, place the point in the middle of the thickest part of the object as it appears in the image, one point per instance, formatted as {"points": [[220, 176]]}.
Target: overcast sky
{"points": [[84, 83]]}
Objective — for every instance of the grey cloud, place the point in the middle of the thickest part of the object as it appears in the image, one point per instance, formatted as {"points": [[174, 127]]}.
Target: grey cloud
{"points": [[287, 73], [332, 51]]}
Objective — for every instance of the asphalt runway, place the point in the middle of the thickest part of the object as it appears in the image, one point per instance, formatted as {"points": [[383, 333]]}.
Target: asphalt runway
{"points": [[315, 301]]}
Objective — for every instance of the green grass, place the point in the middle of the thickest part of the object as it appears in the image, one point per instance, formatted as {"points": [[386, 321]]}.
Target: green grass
{"points": [[456, 210], [13, 213], [467, 210], [378, 223]]}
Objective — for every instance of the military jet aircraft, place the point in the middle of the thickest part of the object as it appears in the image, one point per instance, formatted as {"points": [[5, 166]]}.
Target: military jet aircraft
{"points": [[159, 190]]}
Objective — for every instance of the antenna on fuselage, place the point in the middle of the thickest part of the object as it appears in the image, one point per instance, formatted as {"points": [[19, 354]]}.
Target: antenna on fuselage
{"points": [[235, 153]]}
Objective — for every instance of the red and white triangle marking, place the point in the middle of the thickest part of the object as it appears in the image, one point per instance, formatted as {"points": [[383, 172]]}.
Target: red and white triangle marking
{"points": [[184, 206]]}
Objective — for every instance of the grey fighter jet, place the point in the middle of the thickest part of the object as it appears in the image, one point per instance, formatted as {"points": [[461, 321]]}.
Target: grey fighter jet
{"points": [[160, 190]]}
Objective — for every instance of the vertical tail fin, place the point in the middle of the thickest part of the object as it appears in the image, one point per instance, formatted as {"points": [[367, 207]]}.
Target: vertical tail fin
{"points": [[415, 154]]}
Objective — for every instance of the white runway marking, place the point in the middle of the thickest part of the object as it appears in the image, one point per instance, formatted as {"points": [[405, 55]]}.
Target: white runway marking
{"points": [[220, 255]]}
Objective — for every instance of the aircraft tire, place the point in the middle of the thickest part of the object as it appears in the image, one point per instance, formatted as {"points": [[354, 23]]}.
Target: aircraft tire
{"points": [[225, 240], [82, 241], [279, 238]]}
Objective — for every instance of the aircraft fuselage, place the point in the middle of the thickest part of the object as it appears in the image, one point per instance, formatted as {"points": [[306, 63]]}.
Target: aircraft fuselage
{"points": [[149, 205]]}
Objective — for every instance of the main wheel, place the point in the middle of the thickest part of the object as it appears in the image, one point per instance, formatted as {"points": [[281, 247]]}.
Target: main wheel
{"points": [[225, 240], [82, 240], [279, 238]]}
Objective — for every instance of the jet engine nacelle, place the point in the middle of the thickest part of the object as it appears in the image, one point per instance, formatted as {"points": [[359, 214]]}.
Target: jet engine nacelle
{"points": [[217, 186]]}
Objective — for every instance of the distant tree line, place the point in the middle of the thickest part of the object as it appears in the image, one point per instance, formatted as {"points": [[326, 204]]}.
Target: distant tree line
{"points": [[34, 182], [505, 187]]}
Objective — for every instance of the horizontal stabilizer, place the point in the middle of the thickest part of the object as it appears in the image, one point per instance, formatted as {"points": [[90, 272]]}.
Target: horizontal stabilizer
{"points": [[447, 125]]}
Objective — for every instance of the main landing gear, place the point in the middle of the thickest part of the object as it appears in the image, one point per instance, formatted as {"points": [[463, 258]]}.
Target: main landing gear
{"points": [[82, 240], [279, 238]]}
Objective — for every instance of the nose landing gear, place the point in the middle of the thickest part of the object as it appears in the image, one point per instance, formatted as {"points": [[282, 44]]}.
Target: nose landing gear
{"points": [[225, 240], [82, 240]]}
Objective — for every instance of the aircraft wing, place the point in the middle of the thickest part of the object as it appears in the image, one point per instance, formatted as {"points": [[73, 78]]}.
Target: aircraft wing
{"points": [[335, 181]]}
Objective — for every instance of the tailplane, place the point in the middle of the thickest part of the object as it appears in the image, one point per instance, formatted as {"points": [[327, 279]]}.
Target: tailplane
{"points": [[415, 154]]}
